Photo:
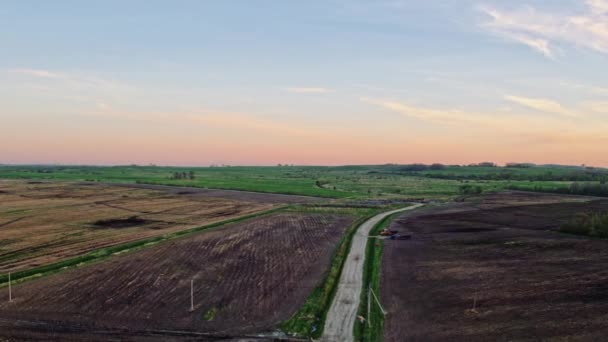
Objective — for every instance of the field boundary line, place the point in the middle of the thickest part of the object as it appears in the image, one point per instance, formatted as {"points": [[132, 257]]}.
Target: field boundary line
{"points": [[146, 332]]}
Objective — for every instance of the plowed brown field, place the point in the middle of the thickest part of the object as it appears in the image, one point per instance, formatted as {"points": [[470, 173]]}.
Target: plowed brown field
{"points": [[495, 269], [43, 222], [248, 277]]}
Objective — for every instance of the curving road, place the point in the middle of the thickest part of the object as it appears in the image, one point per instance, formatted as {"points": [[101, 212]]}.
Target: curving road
{"points": [[340, 321]]}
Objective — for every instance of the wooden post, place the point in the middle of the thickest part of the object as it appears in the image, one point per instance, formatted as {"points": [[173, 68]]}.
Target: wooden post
{"points": [[192, 295], [475, 302], [10, 289]]}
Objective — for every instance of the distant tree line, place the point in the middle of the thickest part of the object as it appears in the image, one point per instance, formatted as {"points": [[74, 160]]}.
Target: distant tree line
{"points": [[581, 176], [588, 175], [183, 175], [512, 171], [417, 167], [430, 167], [520, 165], [576, 188], [468, 189]]}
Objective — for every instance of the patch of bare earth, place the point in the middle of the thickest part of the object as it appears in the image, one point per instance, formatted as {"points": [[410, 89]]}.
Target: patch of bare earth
{"points": [[495, 269]]}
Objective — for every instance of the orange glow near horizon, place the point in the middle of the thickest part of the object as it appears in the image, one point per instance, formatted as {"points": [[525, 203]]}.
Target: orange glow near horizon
{"points": [[262, 148]]}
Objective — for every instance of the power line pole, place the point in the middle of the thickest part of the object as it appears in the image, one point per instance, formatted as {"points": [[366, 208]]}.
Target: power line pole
{"points": [[378, 302], [369, 306], [10, 290], [192, 295]]}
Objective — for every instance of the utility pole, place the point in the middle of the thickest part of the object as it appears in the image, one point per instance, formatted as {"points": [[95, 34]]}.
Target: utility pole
{"points": [[378, 302], [369, 306], [10, 290], [192, 295]]}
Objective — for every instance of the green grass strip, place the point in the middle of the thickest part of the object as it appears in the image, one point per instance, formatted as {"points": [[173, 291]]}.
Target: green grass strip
{"points": [[103, 253]]}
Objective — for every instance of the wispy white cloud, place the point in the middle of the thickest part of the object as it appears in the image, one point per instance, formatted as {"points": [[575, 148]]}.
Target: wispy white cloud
{"points": [[308, 90], [598, 6], [71, 86], [508, 125], [454, 116], [542, 30], [80, 79], [442, 116], [543, 105], [227, 120], [593, 89], [539, 44], [596, 107], [36, 73]]}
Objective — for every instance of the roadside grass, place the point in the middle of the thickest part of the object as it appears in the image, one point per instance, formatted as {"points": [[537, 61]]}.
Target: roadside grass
{"points": [[372, 329], [103, 253], [309, 320]]}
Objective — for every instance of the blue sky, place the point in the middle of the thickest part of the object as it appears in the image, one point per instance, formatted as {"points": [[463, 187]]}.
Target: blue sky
{"points": [[308, 82]]}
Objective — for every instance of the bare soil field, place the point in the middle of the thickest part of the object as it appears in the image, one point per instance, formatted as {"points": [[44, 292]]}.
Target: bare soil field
{"points": [[248, 277], [43, 222], [495, 269]]}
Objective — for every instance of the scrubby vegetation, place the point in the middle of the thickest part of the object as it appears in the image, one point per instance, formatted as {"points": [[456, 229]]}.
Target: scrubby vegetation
{"points": [[576, 188], [590, 224], [468, 189]]}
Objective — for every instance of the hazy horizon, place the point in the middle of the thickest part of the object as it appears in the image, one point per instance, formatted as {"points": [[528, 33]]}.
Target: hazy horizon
{"points": [[292, 165], [308, 83]]}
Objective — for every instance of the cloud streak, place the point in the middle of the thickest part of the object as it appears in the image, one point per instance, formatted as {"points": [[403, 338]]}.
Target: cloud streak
{"points": [[308, 90], [37, 73], [542, 31], [449, 116], [543, 105], [508, 124]]}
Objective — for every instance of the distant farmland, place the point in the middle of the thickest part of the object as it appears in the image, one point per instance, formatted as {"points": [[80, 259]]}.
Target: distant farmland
{"points": [[45, 222], [342, 182]]}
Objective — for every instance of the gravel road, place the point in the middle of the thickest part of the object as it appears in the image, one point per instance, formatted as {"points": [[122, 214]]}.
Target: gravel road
{"points": [[339, 324]]}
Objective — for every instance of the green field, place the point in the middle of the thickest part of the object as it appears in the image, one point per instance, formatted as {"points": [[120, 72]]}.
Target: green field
{"points": [[352, 182]]}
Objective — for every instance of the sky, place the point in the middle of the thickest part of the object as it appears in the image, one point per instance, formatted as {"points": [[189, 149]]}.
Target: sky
{"points": [[329, 82]]}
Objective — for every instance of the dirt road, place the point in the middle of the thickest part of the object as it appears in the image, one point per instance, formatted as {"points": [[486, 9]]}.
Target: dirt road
{"points": [[341, 317]]}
